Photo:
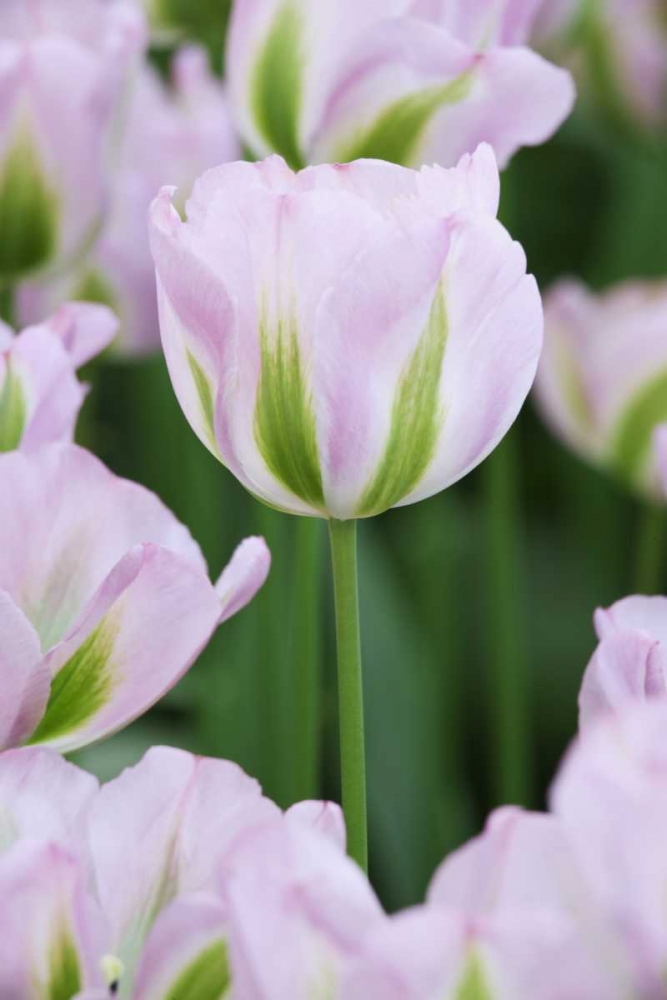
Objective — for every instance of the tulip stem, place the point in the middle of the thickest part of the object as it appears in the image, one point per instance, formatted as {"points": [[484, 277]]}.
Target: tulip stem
{"points": [[309, 551], [509, 679], [343, 535], [650, 548], [7, 304]]}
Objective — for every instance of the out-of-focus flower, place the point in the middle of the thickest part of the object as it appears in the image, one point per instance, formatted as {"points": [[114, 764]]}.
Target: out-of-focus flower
{"points": [[602, 380], [40, 396], [298, 910], [171, 135], [173, 21], [496, 925], [105, 599], [611, 800], [348, 338], [411, 81], [617, 50], [630, 663], [62, 66], [115, 891], [660, 450]]}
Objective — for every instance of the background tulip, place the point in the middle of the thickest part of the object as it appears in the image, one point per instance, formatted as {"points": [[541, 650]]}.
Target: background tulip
{"points": [[106, 599], [172, 132], [63, 67], [40, 396], [410, 81]]}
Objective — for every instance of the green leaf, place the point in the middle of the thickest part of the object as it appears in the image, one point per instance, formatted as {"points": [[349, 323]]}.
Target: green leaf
{"points": [[397, 132], [13, 410], [29, 216], [81, 687], [276, 88], [633, 435], [285, 428], [207, 978], [416, 419], [64, 971], [473, 984]]}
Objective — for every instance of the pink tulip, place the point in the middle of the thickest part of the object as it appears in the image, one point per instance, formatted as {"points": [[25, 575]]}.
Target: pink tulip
{"points": [[603, 374], [346, 339], [611, 800], [629, 665], [171, 135], [62, 67], [119, 885], [40, 396], [105, 599], [411, 81]]}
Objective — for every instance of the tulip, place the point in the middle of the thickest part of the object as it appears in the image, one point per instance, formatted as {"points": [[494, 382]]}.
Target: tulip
{"points": [[171, 134], [346, 340], [105, 599], [40, 396], [63, 66], [601, 379], [629, 665], [611, 800], [411, 81], [119, 885], [618, 53]]}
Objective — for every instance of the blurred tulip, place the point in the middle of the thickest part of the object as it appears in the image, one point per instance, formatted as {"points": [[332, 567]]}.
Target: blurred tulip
{"points": [[40, 396], [62, 67], [630, 663], [410, 81], [346, 339], [119, 885], [611, 800], [496, 925], [172, 134], [298, 911], [105, 599], [602, 380], [617, 50]]}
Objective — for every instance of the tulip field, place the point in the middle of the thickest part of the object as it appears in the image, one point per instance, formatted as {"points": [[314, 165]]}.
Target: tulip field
{"points": [[333, 500]]}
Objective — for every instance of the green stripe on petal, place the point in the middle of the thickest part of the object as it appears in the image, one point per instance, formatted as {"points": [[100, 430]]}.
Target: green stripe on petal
{"points": [[285, 427], [397, 133], [633, 436], [473, 984], [206, 401], [29, 216], [206, 978], [64, 970], [13, 410], [416, 419], [277, 86], [81, 687]]}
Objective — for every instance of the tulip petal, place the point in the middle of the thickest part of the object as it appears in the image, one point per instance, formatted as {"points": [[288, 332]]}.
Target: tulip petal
{"points": [[85, 329], [325, 817], [51, 932], [42, 797], [26, 680], [185, 954], [141, 632], [243, 576], [626, 668], [159, 831]]}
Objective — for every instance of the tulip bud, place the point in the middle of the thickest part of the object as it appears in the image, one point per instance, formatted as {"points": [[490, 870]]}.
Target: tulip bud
{"points": [[602, 381], [62, 66], [346, 339], [411, 81]]}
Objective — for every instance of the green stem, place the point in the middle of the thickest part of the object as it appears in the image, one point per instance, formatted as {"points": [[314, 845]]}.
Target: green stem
{"points": [[650, 550], [343, 535], [7, 304], [512, 750], [308, 551]]}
